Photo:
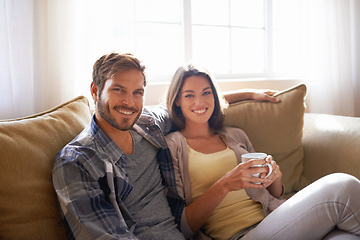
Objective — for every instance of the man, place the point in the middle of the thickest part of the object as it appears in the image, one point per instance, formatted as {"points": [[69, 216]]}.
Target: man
{"points": [[110, 179]]}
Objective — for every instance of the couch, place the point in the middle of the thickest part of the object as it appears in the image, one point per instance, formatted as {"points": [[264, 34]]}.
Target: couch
{"points": [[307, 146]]}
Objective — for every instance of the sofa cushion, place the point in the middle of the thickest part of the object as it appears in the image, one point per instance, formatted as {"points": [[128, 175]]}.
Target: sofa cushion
{"points": [[331, 144], [276, 129], [28, 146]]}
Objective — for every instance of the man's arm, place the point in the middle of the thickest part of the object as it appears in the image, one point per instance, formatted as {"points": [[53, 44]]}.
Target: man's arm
{"points": [[246, 94], [84, 205], [161, 116]]}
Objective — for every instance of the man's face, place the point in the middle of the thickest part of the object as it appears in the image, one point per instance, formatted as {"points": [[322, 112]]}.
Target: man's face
{"points": [[121, 101]]}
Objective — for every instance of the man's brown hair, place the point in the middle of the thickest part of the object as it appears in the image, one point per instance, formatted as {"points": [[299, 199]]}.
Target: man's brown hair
{"points": [[110, 64]]}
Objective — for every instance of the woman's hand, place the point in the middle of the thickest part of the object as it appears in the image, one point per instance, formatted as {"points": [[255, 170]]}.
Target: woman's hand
{"points": [[241, 176], [265, 96], [251, 94], [274, 186]]}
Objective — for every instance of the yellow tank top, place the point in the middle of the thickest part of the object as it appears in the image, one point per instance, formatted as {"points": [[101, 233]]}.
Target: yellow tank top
{"points": [[237, 210]]}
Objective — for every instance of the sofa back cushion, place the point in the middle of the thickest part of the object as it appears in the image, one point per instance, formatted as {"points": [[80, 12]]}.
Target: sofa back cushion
{"points": [[28, 146], [331, 144], [276, 129]]}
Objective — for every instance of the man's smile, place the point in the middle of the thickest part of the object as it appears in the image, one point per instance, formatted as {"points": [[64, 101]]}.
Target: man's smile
{"points": [[125, 111]]}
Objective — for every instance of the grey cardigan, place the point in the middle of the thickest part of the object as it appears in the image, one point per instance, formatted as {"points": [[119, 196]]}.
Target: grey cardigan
{"points": [[237, 140]]}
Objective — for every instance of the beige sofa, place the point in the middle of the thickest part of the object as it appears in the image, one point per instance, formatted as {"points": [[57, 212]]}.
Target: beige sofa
{"points": [[306, 149]]}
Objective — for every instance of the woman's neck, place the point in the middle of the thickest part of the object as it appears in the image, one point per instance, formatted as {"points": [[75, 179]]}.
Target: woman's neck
{"points": [[195, 130], [202, 138]]}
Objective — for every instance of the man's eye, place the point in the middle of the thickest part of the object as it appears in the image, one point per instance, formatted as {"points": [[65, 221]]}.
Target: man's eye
{"points": [[139, 93]]}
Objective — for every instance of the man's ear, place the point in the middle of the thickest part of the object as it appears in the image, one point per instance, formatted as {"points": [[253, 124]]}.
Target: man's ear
{"points": [[94, 91]]}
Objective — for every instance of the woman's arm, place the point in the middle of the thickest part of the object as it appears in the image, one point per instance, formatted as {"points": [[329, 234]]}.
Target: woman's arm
{"points": [[239, 178], [241, 95]]}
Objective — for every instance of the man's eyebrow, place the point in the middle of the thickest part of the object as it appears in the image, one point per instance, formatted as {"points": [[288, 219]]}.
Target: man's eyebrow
{"points": [[123, 87], [117, 85], [140, 89]]}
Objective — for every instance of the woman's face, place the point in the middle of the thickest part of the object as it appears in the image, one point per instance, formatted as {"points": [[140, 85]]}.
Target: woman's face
{"points": [[196, 100]]}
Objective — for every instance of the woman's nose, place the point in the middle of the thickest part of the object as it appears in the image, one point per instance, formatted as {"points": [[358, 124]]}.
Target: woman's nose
{"points": [[198, 101]]}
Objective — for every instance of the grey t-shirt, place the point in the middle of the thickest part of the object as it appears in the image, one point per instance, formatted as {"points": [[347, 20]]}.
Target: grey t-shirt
{"points": [[147, 202]]}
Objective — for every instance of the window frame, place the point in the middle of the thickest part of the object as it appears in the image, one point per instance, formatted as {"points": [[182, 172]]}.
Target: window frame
{"points": [[268, 43]]}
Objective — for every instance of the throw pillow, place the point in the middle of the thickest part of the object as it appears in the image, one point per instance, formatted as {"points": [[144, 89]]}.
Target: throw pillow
{"points": [[276, 129], [28, 203]]}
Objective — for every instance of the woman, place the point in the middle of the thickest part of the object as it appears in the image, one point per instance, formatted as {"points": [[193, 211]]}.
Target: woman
{"points": [[222, 199]]}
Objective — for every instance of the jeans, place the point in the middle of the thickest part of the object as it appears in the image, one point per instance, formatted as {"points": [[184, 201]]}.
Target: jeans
{"points": [[326, 209]]}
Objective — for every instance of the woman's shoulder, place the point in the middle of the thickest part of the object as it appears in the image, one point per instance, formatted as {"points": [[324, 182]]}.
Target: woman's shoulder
{"points": [[173, 136], [175, 140], [232, 131], [234, 134]]}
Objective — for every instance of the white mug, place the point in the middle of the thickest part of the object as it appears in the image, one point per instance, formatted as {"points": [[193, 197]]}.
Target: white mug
{"points": [[257, 155]]}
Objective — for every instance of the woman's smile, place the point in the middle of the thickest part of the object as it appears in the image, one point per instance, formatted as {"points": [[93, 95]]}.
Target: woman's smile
{"points": [[200, 111]]}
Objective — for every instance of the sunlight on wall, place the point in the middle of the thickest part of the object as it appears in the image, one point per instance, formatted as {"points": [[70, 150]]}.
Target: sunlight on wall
{"points": [[328, 123]]}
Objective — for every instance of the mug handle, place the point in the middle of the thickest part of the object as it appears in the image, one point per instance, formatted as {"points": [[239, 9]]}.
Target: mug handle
{"points": [[270, 169]]}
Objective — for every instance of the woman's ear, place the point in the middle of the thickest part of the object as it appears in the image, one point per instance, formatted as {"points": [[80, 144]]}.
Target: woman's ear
{"points": [[177, 102]]}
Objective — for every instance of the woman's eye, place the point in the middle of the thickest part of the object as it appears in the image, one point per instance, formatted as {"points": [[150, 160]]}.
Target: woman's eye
{"points": [[207, 93], [189, 96]]}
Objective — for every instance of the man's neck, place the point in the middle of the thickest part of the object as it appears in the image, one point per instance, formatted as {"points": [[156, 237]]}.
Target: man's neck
{"points": [[121, 138]]}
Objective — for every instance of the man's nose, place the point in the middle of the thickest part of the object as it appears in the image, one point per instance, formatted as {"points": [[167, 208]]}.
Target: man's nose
{"points": [[128, 99]]}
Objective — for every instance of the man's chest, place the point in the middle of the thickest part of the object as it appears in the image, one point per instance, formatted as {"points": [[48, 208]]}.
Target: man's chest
{"points": [[142, 169]]}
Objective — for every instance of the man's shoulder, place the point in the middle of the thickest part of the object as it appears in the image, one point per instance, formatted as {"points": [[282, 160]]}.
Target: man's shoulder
{"points": [[157, 115], [82, 145], [153, 113]]}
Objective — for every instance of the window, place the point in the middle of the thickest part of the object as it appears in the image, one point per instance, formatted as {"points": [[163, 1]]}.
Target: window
{"points": [[228, 37], [232, 38]]}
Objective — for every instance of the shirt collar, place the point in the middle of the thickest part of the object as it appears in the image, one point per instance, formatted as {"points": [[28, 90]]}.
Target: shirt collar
{"points": [[105, 142]]}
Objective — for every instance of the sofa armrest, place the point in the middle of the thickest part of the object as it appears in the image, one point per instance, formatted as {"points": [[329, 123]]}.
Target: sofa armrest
{"points": [[331, 144]]}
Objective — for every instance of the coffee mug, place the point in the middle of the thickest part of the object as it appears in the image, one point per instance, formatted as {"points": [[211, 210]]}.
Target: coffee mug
{"points": [[257, 155]]}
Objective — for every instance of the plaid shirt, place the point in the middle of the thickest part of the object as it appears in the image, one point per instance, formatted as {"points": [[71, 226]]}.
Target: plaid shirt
{"points": [[91, 183]]}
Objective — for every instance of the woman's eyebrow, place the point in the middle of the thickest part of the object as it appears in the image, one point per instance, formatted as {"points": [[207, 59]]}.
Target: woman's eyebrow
{"points": [[206, 88]]}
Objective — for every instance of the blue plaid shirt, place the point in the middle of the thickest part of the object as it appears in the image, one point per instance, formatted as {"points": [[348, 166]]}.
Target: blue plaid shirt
{"points": [[90, 179]]}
